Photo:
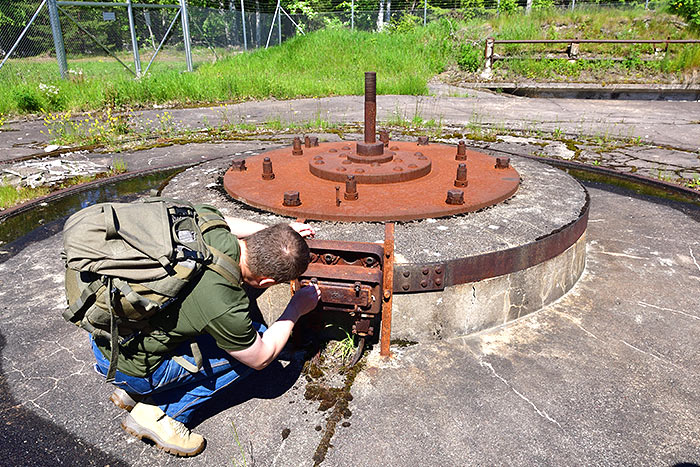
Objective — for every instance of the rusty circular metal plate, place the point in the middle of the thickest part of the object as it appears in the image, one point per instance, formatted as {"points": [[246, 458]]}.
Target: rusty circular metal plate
{"points": [[419, 198], [400, 166]]}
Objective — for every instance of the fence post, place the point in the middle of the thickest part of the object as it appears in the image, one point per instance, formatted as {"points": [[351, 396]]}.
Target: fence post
{"points": [[58, 39], [352, 15], [134, 41], [573, 4], [425, 12], [245, 38], [488, 58], [186, 33], [279, 23]]}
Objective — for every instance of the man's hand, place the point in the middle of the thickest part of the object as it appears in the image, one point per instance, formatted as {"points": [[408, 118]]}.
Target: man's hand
{"points": [[306, 298], [305, 230]]}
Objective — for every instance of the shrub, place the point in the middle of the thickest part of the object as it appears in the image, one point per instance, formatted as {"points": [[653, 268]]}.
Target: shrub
{"points": [[470, 57], [27, 99], [688, 9], [508, 6]]}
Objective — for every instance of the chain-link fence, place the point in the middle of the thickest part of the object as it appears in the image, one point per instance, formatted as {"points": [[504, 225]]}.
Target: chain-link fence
{"points": [[137, 38]]}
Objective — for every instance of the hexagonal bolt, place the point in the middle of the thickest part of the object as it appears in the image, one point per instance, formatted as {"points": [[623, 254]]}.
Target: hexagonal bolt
{"points": [[239, 166], [384, 137], [461, 151], [311, 141], [296, 147], [455, 197], [267, 173], [291, 198], [351, 188], [461, 179], [422, 141], [502, 162]]}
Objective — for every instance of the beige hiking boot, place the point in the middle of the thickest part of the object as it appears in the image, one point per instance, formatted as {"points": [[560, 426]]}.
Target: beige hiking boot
{"points": [[125, 400], [149, 421]]}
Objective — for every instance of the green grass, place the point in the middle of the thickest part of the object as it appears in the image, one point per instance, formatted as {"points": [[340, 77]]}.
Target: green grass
{"points": [[323, 63], [331, 62]]}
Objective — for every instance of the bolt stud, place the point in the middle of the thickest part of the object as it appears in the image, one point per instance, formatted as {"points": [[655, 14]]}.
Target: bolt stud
{"points": [[455, 197], [384, 137], [422, 141], [267, 173], [461, 180], [351, 188], [461, 151], [296, 147], [502, 162]]}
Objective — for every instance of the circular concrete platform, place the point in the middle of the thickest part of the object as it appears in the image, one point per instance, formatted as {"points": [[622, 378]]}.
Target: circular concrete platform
{"points": [[501, 262]]}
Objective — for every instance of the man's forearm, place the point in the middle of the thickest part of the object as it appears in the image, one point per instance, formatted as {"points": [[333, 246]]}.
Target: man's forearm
{"points": [[243, 227]]}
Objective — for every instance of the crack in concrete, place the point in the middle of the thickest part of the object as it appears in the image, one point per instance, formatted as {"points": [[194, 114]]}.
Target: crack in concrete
{"points": [[663, 360], [693, 256], [541, 413], [571, 318], [644, 304]]}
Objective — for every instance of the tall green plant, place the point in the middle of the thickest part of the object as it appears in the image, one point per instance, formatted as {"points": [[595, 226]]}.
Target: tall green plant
{"points": [[688, 9]]}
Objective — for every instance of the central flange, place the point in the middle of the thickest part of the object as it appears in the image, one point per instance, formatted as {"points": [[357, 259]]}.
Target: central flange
{"points": [[337, 162]]}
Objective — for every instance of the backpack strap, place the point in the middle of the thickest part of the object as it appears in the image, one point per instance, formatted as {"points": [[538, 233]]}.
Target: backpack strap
{"points": [[223, 265], [88, 293], [131, 296], [114, 335], [210, 220]]}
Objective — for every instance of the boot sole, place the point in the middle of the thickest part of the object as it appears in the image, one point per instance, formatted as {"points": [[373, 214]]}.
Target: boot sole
{"points": [[134, 429]]}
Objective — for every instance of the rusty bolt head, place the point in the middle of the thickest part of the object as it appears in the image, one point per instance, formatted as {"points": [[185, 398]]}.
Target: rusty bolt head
{"points": [[438, 281], [461, 180], [267, 173], [502, 162], [406, 273], [424, 283], [455, 197], [239, 166], [314, 141], [296, 147], [387, 295], [422, 141], [291, 198], [461, 151], [405, 286], [438, 269], [425, 271], [307, 141]]}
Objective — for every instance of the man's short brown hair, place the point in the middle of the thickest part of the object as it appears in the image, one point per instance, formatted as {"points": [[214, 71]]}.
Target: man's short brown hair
{"points": [[277, 252]]}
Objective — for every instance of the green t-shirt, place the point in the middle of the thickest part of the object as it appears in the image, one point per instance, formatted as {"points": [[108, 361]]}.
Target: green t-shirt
{"points": [[210, 305]]}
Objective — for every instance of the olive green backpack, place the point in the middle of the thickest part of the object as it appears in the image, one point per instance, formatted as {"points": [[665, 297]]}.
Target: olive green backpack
{"points": [[126, 261]]}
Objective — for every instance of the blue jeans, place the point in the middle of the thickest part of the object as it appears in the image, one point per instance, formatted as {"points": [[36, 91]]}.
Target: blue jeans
{"points": [[177, 391]]}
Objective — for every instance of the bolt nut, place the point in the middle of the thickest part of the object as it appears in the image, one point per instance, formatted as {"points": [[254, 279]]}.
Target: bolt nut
{"points": [[384, 137], [238, 166], [405, 286], [267, 173], [424, 283], [455, 197], [422, 141], [502, 162], [387, 295], [406, 273], [425, 271], [438, 281], [438, 269], [461, 180], [291, 198]]}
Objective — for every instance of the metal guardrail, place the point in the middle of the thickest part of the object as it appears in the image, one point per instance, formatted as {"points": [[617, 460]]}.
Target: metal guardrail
{"points": [[573, 49]]}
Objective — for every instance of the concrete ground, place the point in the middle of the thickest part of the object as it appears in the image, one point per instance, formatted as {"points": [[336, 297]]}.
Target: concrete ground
{"points": [[607, 375]]}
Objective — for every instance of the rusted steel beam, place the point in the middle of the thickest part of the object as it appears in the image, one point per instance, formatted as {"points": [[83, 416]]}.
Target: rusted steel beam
{"points": [[387, 290], [410, 278]]}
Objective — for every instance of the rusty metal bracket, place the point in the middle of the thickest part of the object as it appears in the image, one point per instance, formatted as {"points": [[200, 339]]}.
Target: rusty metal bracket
{"points": [[387, 294], [419, 277]]}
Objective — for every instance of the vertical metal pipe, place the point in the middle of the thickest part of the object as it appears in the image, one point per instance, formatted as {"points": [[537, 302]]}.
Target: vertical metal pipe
{"points": [[352, 15], [24, 31], [58, 39], [245, 38], [388, 292], [425, 12], [370, 107], [279, 23], [134, 41], [186, 33]]}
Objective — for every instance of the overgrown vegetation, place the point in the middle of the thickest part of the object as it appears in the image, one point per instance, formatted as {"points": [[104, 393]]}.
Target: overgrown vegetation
{"points": [[406, 55]]}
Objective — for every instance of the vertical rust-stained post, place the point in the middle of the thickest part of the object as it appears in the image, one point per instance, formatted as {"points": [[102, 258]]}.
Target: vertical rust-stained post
{"points": [[370, 107], [388, 292]]}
